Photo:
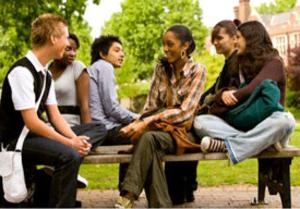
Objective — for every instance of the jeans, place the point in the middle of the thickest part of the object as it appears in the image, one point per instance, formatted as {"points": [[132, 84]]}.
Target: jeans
{"points": [[114, 137], [66, 161], [241, 145], [96, 131], [39, 150]]}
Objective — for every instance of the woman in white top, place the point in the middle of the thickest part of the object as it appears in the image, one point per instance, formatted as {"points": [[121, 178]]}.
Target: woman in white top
{"points": [[71, 88], [71, 85]]}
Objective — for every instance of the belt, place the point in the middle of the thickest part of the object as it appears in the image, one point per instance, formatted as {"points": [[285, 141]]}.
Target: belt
{"points": [[75, 110]]}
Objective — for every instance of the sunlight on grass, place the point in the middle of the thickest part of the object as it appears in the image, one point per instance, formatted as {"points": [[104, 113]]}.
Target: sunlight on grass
{"points": [[210, 173]]}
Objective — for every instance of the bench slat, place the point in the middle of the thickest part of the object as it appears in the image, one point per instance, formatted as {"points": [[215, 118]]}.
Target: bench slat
{"points": [[111, 149], [109, 154], [107, 158]]}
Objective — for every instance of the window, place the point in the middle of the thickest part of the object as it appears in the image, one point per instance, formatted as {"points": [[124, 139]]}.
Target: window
{"points": [[280, 44], [295, 40]]}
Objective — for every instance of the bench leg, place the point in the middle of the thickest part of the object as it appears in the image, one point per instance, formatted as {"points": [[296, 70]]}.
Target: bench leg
{"points": [[261, 184], [275, 174], [285, 195]]}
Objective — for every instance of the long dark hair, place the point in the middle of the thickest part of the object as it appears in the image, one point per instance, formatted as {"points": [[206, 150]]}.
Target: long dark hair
{"points": [[184, 35], [102, 44], [259, 49]]}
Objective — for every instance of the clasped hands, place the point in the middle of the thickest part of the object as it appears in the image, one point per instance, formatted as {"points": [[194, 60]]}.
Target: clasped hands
{"points": [[81, 144]]}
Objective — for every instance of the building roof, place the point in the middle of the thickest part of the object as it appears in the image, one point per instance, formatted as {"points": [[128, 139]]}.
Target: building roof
{"points": [[266, 18], [281, 18]]}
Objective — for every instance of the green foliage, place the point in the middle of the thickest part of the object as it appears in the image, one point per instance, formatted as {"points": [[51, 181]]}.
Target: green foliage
{"points": [[141, 25], [213, 64], [293, 99], [82, 30], [16, 19], [130, 90], [276, 7], [293, 79], [295, 111], [8, 49]]}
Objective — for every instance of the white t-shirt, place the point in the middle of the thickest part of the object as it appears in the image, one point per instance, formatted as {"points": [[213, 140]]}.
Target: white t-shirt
{"points": [[65, 89], [21, 82]]}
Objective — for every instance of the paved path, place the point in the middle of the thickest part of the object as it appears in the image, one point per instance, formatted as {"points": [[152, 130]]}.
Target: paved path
{"points": [[230, 196]]}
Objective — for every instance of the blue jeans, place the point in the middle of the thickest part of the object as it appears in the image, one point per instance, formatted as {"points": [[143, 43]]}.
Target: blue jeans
{"points": [[95, 130], [241, 145], [39, 150], [66, 161]]}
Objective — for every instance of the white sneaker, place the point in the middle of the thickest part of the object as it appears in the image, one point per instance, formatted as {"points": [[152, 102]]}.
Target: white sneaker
{"points": [[81, 182], [205, 142], [209, 144]]}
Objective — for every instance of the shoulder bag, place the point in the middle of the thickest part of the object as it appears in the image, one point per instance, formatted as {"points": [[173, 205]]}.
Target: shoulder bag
{"points": [[11, 167]]}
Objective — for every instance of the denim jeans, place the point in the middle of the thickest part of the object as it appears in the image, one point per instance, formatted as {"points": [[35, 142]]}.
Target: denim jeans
{"points": [[241, 145], [96, 131], [66, 161]]}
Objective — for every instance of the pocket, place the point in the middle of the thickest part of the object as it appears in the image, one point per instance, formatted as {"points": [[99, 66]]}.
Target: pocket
{"points": [[14, 186], [6, 162], [182, 93]]}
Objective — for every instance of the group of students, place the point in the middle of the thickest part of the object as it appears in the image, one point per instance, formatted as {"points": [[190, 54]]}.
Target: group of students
{"points": [[178, 115]]}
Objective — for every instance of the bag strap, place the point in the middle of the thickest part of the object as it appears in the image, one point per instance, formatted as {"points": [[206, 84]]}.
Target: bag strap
{"points": [[25, 129], [241, 77]]}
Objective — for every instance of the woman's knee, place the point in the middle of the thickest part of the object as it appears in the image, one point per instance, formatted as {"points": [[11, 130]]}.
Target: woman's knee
{"points": [[156, 140], [290, 122], [285, 121], [202, 123], [147, 139]]}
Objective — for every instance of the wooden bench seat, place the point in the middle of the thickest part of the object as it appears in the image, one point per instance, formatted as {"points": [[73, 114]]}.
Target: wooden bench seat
{"points": [[273, 167], [109, 154]]}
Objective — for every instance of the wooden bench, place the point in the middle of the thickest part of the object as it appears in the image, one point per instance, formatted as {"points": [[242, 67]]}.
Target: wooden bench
{"points": [[273, 167]]}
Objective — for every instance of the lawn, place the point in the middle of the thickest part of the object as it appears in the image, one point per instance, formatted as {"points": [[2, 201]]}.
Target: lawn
{"points": [[210, 173]]}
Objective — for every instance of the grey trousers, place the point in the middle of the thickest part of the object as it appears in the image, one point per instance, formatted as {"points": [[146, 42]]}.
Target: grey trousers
{"points": [[146, 170]]}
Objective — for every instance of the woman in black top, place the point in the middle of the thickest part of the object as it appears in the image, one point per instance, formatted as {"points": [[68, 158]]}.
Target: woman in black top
{"points": [[258, 60]]}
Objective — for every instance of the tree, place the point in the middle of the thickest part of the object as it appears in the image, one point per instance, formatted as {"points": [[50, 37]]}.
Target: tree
{"points": [[293, 75], [213, 64], [16, 19], [277, 7], [141, 25]]}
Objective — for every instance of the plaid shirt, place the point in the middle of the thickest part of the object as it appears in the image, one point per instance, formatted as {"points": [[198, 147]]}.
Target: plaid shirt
{"points": [[184, 93]]}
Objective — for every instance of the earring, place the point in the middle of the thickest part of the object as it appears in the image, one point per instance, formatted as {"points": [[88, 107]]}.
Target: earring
{"points": [[183, 54]]}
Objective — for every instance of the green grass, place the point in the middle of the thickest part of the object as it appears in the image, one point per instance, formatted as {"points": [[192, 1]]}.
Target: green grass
{"points": [[295, 111], [210, 173]]}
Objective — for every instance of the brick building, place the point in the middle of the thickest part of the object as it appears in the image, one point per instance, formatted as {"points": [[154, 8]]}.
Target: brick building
{"points": [[284, 28]]}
